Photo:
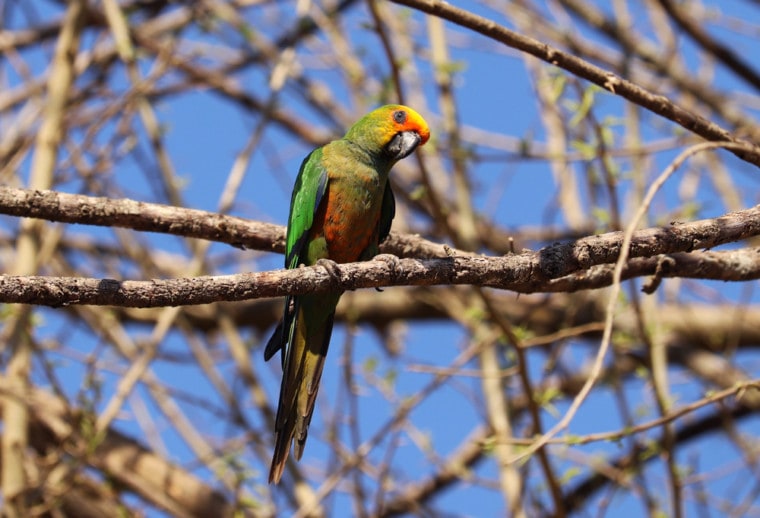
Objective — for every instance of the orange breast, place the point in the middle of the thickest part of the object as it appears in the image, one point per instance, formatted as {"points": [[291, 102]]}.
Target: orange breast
{"points": [[349, 226], [348, 221]]}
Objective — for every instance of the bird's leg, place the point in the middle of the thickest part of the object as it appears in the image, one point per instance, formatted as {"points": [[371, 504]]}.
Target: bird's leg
{"points": [[391, 260]]}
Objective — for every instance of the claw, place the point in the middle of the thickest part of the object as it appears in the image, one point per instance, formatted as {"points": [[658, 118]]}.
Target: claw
{"points": [[330, 266], [391, 260]]}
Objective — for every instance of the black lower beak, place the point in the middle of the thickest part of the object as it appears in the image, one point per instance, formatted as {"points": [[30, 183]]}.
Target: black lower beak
{"points": [[402, 144]]}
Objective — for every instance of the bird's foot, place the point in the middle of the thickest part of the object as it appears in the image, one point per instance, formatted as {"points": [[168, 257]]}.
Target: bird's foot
{"points": [[331, 267], [391, 260]]}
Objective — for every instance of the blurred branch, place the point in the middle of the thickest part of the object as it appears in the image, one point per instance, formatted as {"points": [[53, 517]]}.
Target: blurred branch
{"points": [[455, 468], [582, 491], [746, 405], [723, 53], [127, 463], [33, 247]]}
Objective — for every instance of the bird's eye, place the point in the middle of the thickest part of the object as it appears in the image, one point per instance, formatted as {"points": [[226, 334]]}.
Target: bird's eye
{"points": [[399, 116]]}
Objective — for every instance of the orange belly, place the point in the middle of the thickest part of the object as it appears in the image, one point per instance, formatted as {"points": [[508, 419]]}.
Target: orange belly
{"points": [[348, 224]]}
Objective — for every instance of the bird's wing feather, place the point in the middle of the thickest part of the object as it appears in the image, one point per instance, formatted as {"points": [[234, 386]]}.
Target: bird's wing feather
{"points": [[309, 190], [387, 212]]}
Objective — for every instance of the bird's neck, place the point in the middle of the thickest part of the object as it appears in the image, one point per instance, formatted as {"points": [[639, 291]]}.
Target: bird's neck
{"points": [[376, 159]]}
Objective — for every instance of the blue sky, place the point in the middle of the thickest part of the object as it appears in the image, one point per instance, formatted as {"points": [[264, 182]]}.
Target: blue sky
{"points": [[203, 135]]}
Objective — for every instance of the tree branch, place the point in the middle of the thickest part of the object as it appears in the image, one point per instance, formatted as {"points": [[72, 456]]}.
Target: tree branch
{"points": [[610, 81], [136, 215], [168, 219], [550, 269], [724, 53], [517, 273]]}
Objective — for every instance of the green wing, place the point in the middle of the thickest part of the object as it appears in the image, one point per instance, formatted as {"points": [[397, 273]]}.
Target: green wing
{"points": [[308, 192], [310, 188]]}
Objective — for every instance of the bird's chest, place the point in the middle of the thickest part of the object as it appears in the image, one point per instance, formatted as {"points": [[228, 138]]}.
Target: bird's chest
{"points": [[351, 215]]}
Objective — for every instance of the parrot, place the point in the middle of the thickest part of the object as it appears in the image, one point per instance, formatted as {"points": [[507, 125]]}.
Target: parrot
{"points": [[340, 211]]}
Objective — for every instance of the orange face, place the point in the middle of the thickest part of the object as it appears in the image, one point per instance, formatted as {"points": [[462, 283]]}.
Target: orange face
{"points": [[403, 118]]}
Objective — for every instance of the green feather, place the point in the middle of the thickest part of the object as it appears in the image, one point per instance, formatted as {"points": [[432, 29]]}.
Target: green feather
{"points": [[310, 188]]}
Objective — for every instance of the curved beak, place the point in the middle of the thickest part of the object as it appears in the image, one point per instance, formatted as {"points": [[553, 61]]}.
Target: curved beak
{"points": [[402, 144]]}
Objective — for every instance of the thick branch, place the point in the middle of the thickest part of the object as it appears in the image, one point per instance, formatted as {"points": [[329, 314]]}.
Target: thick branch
{"points": [[136, 215], [732, 265], [524, 273], [528, 272], [178, 221]]}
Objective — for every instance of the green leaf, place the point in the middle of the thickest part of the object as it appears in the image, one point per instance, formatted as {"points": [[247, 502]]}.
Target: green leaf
{"points": [[570, 474], [583, 108], [370, 364]]}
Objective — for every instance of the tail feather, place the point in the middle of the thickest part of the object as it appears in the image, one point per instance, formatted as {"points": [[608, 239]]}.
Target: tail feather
{"points": [[275, 342], [303, 361], [278, 339]]}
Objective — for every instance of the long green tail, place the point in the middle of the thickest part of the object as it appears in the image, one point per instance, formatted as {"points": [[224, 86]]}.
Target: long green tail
{"points": [[304, 343]]}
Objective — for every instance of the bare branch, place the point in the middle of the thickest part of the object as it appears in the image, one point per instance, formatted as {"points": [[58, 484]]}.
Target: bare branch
{"points": [[136, 215], [528, 272], [610, 81]]}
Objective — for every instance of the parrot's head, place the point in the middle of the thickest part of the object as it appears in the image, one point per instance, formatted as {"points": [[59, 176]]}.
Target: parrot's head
{"points": [[393, 131]]}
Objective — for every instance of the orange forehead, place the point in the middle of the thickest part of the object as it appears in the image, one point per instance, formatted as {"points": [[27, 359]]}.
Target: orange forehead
{"points": [[403, 118]]}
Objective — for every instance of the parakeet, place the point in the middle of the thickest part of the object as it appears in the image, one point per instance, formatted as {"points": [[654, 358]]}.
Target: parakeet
{"points": [[341, 209]]}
